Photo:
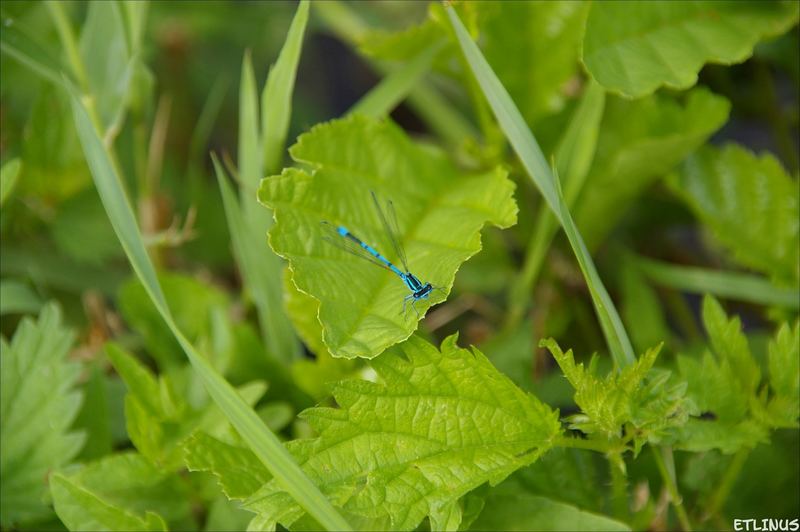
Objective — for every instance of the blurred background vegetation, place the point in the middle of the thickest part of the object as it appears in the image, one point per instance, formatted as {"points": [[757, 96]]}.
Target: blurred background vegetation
{"points": [[57, 243]]}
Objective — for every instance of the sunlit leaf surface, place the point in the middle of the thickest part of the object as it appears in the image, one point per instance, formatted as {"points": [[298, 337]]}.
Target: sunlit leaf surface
{"points": [[440, 212]]}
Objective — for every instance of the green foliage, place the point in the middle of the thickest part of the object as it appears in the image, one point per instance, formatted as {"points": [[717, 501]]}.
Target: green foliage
{"points": [[364, 423], [641, 141], [159, 414], [121, 492], [352, 157], [438, 424], [513, 509], [9, 173], [191, 301], [741, 198], [726, 385], [532, 158], [638, 403], [105, 53], [634, 48], [39, 404], [536, 63]]}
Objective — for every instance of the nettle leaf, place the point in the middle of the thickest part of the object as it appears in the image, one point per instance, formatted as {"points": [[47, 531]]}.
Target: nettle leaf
{"points": [[158, 415], [437, 425], [641, 141], [121, 492], [636, 400], [741, 198], [634, 48], [440, 211], [724, 384], [38, 404], [239, 472]]}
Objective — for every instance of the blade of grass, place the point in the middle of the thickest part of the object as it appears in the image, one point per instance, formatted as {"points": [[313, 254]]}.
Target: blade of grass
{"points": [[262, 282], [18, 45], [276, 98], [392, 89], [573, 159], [252, 430], [731, 285], [529, 153]]}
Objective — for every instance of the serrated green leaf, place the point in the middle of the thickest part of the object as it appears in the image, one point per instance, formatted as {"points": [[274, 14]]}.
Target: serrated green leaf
{"points": [[238, 470], [730, 344], [509, 508], [783, 407], [641, 141], [726, 386], [38, 404], [637, 398], [437, 425], [741, 198], [8, 178], [352, 157], [121, 492], [634, 48]]}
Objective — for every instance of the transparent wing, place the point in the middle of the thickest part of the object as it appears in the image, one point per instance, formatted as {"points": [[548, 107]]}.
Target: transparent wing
{"points": [[331, 236], [390, 227]]}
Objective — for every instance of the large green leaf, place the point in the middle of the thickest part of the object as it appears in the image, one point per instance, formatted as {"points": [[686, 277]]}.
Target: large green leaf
{"points": [[750, 204], [440, 212], [437, 425], [639, 142], [37, 407], [635, 47]]}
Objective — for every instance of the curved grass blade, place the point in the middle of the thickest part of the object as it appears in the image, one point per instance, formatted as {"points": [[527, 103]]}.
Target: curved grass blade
{"points": [[529, 153], [396, 86], [251, 428], [733, 285]]}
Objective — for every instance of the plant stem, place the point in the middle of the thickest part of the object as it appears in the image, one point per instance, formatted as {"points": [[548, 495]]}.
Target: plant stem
{"points": [[725, 485], [619, 483], [580, 443], [67, 37], [666, 466]]}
